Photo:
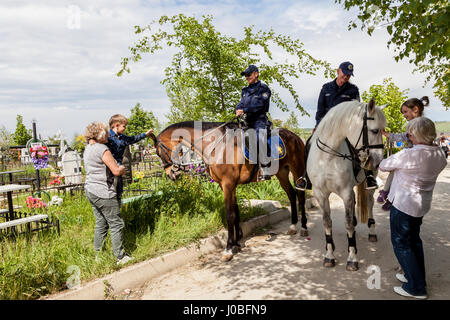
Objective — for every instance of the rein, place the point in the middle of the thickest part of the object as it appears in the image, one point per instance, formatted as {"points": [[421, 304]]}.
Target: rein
{"points": [[167, 151], [354, 152]]}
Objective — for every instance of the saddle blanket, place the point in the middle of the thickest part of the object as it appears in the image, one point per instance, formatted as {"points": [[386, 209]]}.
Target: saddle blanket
{"points": [[277, 152]]}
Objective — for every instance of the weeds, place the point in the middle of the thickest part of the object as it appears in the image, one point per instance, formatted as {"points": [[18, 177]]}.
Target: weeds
{"points": [[178, 214]]}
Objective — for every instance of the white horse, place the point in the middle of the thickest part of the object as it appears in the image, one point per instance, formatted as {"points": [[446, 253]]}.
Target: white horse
{"points": [[330, 167]]}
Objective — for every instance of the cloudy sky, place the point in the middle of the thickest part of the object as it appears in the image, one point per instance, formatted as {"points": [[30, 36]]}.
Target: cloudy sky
{"points": [[59, 68]]}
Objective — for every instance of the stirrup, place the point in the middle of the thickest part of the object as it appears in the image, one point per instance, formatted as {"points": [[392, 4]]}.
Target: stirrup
{"points": [[263, 176], [301, 184]]}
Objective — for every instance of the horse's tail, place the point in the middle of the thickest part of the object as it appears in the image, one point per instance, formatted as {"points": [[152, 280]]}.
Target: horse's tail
{"points": [[362, 203]]}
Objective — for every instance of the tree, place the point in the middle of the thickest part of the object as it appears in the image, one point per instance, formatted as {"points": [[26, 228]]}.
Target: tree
{"points": [[54, 139], [203, 81], [21, 135], [141, 121], [388, 93], [6, 138], [78, 143], [419, 31], [292, 124]]}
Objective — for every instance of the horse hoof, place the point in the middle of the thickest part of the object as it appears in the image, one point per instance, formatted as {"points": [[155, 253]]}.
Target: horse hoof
{"points": [[373, 238], [329, 263], [236, 249], [352, 265], [226, 257], [303, 232]]}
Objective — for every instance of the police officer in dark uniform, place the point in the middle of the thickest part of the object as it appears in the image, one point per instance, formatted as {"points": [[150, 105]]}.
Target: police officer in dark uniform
{"points": [[255, 99], [333, 93]]}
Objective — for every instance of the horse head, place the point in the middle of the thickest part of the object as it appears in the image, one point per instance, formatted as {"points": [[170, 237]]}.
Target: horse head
{"points": [[164, 152], [369, 142]]}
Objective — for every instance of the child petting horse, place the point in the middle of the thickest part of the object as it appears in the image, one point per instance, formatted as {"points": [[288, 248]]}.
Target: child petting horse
{"points": [[221, 147]]}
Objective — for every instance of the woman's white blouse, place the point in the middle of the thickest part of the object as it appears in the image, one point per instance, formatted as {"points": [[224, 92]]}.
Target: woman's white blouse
{"points": [[416, 170]]}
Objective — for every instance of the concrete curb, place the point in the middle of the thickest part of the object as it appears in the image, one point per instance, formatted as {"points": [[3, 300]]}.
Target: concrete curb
{"points": [[137, 274]]}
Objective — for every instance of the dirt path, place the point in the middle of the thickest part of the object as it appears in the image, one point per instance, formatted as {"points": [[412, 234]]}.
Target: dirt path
{"points": [[273, 265]]}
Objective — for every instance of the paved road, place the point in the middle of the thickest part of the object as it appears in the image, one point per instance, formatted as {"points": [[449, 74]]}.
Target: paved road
{"points": [[274, 265]]}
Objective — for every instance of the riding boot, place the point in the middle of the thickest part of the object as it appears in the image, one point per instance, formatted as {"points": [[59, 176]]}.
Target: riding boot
{"points": [[371, 182]]}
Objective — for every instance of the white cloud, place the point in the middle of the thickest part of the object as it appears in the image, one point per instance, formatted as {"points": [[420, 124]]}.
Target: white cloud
{"points": [[66, 77], [313, 17]]}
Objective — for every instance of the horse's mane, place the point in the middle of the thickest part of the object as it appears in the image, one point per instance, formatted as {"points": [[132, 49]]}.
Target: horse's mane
{"points": [[205, 125], [344, 115]]}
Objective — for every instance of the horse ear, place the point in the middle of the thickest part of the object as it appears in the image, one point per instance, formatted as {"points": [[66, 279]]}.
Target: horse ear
{"points": [[371, 106], [152, 136]]}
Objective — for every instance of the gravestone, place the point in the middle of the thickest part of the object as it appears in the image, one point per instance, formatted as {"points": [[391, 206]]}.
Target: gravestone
{"points": [[25, 156], [71, 167]]}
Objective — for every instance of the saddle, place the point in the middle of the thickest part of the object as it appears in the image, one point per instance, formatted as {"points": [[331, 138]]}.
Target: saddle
{"points": [[277, 152]]}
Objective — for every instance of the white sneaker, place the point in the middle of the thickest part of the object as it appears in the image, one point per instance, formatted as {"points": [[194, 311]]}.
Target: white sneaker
{"points": [[124, 260], [402, 292], [401, 277]]}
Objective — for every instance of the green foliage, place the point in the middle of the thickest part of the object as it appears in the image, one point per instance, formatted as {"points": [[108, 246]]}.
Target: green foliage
{"points": [[21, 135], [292, 124], [266, 190], [419, 31], [204, 82], [175, 215], [6, 138], [78, 143], [442, 126], [388, 93], [141, 121]]}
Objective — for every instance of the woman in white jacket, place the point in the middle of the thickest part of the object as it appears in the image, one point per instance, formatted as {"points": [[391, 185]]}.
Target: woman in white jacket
{"points": [[416, 170]]}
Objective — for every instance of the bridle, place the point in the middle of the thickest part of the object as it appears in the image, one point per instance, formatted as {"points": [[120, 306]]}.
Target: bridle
{"points": [[167, 160], [354, 155]]}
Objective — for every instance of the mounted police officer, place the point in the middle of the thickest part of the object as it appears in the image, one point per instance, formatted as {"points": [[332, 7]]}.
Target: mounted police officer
{"points": [[333, 93], [255, 99]]}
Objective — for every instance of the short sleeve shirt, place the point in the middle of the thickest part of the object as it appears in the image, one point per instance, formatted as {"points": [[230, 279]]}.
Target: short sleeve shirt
{"points": [[100, 181]]}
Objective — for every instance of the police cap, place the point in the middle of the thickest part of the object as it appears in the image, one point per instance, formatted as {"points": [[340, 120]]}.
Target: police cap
{"points": [[347, 68], [251, 68]]}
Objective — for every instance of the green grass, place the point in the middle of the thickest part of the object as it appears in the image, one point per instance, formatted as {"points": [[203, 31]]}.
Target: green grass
{"points": [[442, 126], [178, 214]]}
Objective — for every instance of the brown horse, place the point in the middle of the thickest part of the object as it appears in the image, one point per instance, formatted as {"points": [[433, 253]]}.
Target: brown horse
{"points": [[236, 170]]}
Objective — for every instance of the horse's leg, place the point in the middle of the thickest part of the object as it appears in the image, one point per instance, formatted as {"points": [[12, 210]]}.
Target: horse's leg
{"points": [[228, 191], [324, 204], [302, 199], [283, 177], [237, 230], [350, 224], [297, 170]]}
